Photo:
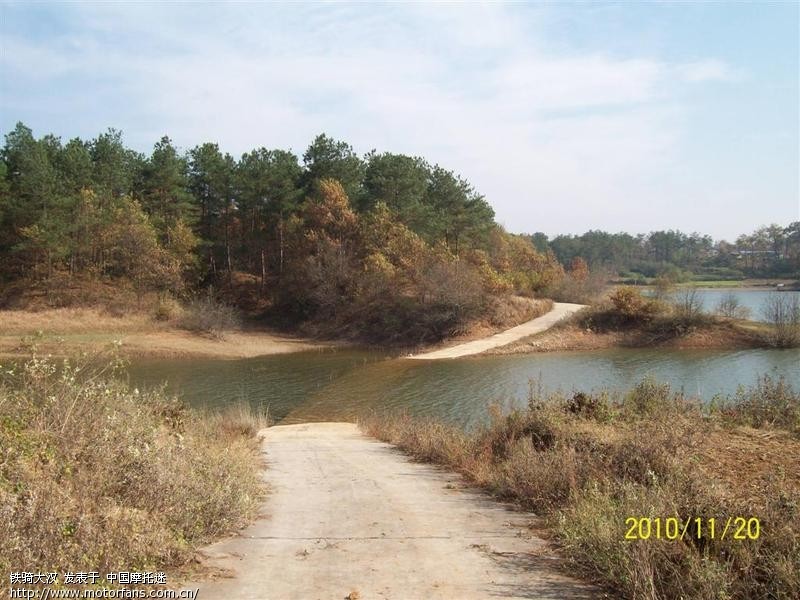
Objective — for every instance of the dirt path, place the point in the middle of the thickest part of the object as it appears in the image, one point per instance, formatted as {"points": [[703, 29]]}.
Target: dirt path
{"points": [[560, 311], [348, 516]]}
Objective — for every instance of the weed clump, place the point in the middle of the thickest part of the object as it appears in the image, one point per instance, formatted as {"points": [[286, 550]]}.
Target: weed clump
{"points": [[207, 316], [95, 475], [771, 402]]}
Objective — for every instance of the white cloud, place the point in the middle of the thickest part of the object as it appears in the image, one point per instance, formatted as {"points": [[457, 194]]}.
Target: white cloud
{"points": [[468, 87], [706, 70]]}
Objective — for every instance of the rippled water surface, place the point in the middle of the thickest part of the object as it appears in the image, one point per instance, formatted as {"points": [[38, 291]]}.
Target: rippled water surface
{"points": [[340, 385]]}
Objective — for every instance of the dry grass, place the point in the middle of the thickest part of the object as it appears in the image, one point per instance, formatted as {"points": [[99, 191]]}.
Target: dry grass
{"points": [[588, 462], [503, 312], [71, 320], [96, 476], [508, 311], [627, 319], [68, 331], [207, 316]]}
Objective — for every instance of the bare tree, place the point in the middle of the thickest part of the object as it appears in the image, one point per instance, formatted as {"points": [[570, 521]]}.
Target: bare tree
{"points": [[730, 306], [782, 311], [688, 304]]}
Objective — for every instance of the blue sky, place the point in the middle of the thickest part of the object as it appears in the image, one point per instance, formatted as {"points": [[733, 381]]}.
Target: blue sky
{"points": [[568, 117]]}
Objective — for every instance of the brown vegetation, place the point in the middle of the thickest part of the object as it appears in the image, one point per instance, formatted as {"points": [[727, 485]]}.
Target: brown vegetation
{"points": [[388, 249], [66, 331], [371, 278], [206, 316], [590, 461], [783, 313], [626, 318], [95, 476]]}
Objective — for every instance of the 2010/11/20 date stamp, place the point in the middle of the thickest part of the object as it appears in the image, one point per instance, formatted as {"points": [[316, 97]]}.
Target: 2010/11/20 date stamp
{"points": [[698, 528]]}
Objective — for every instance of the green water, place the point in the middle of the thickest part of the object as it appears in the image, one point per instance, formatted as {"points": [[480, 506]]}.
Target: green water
{"points": [[340, 385]]}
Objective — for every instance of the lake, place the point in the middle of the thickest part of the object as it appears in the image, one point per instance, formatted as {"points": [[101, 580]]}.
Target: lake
{"points": [[340, 385], [753, 299]]}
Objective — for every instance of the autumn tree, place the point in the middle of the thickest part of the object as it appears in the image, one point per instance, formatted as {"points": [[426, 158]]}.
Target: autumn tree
{"points": [[578, 269], [325, 243], [135, 253]]}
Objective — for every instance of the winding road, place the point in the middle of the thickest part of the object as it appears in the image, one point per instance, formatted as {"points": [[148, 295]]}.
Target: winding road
{"points": [[561, 310]]}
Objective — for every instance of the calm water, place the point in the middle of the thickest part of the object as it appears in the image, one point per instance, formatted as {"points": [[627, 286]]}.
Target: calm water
{"points": [[753, 300], [340, 385]]}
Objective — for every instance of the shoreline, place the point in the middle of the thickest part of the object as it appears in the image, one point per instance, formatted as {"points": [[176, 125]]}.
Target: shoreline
{"points": [[740, 285], [64, 331], [573, 338], [543, 323]]}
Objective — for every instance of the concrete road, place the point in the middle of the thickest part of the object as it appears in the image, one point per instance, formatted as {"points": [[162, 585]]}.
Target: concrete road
{"points": [[560, 311], [350, 517]]}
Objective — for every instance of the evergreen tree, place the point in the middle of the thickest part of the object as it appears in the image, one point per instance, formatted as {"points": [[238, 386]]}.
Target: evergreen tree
{"points": [[164, 187], [327, 158]]}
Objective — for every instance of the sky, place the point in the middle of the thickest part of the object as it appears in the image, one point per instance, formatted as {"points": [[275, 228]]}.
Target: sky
{"points": [[566, 116]]}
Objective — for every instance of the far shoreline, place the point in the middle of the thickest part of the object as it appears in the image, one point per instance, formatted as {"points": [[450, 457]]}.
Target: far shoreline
{"points": [[760, 285]]}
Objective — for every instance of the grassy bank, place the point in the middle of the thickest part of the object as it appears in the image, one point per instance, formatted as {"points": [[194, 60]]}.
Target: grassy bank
{"points": [[95, 476], [67, 331], [590, 461]]}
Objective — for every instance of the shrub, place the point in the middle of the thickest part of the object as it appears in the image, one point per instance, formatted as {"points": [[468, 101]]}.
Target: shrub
{"points": [[507, 311], [628, 303], [782, 311], [454, 283], [589, 406], [426, 440], [729, 306], [770, 402], [663, 288], [208, 316], [649, 397], [539, 480], [579, 288], [167, 309], [688, 305]]}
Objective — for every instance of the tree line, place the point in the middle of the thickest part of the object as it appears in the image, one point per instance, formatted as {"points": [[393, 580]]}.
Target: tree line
{"points": [[330, 235], [770, 251]]}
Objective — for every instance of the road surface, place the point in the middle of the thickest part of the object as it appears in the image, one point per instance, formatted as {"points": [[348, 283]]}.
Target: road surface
{"points": [[560, 311], [351, 517]]}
